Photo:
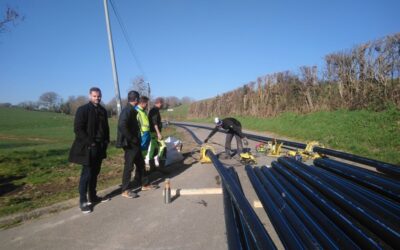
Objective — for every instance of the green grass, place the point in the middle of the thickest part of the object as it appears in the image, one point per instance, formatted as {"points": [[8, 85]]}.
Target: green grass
{"points": [[178, 113], [34, 167], [366, 133]]}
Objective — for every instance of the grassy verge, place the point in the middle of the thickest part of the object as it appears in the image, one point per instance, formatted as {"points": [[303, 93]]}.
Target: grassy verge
{"points": [[34, 170], [176, 114], [371, 134]]}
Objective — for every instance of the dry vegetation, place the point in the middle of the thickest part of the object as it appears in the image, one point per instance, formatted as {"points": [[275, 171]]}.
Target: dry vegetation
{"points": [[365, 77]]}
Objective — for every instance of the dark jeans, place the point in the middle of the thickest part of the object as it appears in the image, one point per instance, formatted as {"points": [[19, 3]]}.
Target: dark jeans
{"points": [[228, 141], [133, 155], [88, 181]]}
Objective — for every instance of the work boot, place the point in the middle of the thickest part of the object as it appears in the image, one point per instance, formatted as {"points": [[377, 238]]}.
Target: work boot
{"points": [[129, 194], [149, 187], [98, 199], [85, 208]]}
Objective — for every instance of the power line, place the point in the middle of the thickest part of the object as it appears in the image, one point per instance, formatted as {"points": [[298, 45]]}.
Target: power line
{"points": [[127, 39]]}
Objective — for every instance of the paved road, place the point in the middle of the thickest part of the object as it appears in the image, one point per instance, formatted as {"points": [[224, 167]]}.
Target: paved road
{"points": [[189, 222]]}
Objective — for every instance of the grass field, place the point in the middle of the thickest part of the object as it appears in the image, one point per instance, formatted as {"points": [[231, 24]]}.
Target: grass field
{"points": [[366, 133], [178, 113], [34, 170]]}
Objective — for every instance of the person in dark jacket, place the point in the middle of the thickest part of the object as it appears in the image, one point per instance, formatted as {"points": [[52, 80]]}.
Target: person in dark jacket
{"points": [[233, 128], [128, 138], [155, 132], [92, 135]]}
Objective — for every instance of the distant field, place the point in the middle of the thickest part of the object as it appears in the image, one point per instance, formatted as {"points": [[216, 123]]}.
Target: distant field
{"points": [[371, 134], [178, 113], [34, 171]]}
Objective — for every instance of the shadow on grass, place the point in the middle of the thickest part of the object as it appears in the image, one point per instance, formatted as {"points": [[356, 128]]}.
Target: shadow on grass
{"points": [[6, 185]]}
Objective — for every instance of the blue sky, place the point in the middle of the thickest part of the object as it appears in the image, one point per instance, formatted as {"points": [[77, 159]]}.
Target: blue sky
{"points": [[195, 48]]}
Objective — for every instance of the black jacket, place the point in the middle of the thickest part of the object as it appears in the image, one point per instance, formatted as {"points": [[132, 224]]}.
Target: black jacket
{"points": [[128, 134], [155, 119], [85, 133], [231, 125]]}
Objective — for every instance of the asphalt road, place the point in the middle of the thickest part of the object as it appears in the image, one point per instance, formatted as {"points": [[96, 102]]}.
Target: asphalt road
{"points": [[188, 222]]}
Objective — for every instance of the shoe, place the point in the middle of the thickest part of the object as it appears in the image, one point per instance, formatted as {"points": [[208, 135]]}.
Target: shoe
{"points": [[149, 187], [156, 161], [85, 208], [129, 194], [98, 199]]}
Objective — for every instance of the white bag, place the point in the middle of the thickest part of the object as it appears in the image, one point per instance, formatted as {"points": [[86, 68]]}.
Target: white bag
{"points": [[174, 147]]}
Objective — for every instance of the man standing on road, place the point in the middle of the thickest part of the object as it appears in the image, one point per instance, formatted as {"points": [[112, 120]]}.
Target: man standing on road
{"points": [[128, 138], [92, 135], [155, 131], [232, 128]]}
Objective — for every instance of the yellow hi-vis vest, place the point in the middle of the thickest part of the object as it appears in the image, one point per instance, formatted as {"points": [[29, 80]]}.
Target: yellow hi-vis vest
{"points": [[143, 120]]}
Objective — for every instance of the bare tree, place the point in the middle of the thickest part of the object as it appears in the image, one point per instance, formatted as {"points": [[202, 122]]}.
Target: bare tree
{"points": [[11, 17], [187, 100], [29, 105], [141, 86], [50, 100], [76, 102]]}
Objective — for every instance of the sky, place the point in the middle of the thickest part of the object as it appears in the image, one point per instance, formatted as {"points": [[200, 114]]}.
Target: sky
{"points": [[185, 48]]}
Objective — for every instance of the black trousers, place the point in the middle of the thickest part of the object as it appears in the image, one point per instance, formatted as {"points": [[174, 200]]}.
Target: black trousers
{"points": [[228, 141], [89, 173], [133, 156]]}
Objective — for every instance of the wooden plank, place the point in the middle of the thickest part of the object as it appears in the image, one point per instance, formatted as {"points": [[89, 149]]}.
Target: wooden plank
{"points": [[196, 191]]}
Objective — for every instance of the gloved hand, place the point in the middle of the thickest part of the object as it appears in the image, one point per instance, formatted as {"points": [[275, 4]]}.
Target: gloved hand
{"points": [[206, 140], [245, 142]]}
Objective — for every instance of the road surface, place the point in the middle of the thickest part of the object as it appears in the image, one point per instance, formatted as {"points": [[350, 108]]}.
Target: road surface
{"points": [[188, 222]]}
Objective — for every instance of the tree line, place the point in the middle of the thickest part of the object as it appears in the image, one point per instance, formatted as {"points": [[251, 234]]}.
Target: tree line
{"points": [[366, 76], [51, 101]]}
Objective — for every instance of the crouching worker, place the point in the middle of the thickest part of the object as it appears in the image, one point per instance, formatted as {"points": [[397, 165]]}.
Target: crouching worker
{"points": [[232, 128], [92, 135]]}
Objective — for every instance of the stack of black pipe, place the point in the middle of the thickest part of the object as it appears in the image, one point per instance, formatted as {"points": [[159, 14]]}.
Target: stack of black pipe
{"points": [[244, 228], [387, 168], [331, 205]]}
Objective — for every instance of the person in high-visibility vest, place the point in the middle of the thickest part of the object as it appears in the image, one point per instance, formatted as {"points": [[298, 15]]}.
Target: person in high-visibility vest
{"points": [[144, 126], [143, 122]]}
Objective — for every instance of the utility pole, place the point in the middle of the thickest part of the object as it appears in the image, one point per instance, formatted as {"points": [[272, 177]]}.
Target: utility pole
{"points": [[149, 93], [114, 67]]}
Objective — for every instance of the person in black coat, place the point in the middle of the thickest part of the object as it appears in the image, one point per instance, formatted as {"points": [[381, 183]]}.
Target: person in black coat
{"points": [[128, 138], [233, 128], [92, 135]]}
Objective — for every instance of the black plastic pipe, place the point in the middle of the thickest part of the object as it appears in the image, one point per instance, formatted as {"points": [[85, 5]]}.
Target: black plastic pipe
{"points": [[234, 238], [256, 228], [317, 229], [369, 200], [300, 220], [247, 239], [334, 232], [345, 222], [250, 136], [387, 168], [287, 234], [363, 177], [369, 220]]}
